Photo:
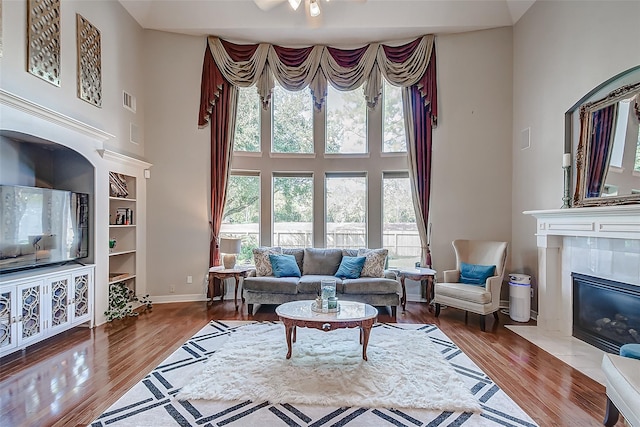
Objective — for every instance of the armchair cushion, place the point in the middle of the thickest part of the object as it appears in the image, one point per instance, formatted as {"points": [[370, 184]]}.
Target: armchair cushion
{"points": [[475, 274], [460, 291], [284, 265]]}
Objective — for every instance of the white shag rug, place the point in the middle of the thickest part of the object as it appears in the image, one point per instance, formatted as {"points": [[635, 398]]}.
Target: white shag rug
{"points": [[404, 370]]}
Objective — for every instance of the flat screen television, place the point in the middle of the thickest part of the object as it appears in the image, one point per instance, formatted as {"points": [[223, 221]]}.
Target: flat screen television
{"points": [[41, 226]]}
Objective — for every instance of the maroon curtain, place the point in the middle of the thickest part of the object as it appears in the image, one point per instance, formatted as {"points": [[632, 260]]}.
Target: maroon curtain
{"points": [[600, 149], [215, 109], [425, 115]]}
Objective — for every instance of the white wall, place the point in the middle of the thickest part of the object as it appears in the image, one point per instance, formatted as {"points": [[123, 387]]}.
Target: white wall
{"points": [[121, 69], [471, 188], [121, 40], [471, 166], [178, 229], [562, 50]]}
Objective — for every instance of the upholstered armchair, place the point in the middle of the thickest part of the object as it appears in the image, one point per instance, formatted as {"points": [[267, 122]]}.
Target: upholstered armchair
{"points": [[475, 283]]}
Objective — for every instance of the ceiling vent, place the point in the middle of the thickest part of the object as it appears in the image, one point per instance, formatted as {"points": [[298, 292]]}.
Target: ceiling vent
{"points": [[128, 101]]}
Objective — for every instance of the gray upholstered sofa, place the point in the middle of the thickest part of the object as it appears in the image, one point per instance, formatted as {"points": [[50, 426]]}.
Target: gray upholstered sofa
{"points": [[262, 287]]}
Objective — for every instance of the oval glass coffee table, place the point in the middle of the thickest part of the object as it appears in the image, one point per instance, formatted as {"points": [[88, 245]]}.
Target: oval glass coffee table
{"points": [[350, 315]]}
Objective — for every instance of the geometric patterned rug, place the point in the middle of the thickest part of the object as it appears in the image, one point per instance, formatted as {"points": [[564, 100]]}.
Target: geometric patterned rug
{"points": [[152, 401]]}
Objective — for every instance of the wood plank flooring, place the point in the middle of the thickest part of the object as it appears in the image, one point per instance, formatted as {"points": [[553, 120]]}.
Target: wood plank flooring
{"points": [[70, 379]]}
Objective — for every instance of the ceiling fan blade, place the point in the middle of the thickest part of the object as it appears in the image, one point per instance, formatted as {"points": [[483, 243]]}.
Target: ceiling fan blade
{"points": [[267, 4]]}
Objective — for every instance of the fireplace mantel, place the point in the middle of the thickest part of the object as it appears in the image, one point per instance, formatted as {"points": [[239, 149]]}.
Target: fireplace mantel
{"points": [[622, 221], [554, 272]]}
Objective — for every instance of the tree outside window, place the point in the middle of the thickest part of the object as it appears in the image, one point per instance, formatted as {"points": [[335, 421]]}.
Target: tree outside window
{"points": [[292, 121], [346, 122], [241, 217], [393, 133], [346, 211], [247, 134], [400, 232], [293, 211]]}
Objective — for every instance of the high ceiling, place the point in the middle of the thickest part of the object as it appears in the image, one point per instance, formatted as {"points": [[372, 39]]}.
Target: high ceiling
{"points": [[342, 22]]}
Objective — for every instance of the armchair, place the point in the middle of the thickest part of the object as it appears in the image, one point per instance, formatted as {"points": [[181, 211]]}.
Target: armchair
{"points": [[483, 297]]}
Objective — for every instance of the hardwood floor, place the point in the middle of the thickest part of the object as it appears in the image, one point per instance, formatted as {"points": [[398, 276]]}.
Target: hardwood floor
{"points": [[70, 379]]}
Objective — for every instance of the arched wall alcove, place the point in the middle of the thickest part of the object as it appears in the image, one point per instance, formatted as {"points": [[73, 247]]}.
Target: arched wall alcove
{"points": [[39, 145]]}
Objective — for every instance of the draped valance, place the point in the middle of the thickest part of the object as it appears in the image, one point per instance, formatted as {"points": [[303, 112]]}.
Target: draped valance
{"points": [[315, 67]]}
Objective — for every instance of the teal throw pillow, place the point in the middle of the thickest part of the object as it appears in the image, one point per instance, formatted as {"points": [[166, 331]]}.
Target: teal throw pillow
{"points": [[284, 266], [474, 274], [350, 267]]}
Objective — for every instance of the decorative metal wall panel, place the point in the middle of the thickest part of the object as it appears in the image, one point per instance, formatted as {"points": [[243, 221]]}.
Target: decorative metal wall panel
{"points": [[89, 62], [30, 311], [82, 295], [43, 40], [59, 302], [5, 319]]}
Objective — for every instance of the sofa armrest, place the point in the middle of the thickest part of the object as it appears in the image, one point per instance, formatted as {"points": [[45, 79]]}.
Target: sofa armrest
{"points": [[451, 276], [391, 274], [251, 273]]}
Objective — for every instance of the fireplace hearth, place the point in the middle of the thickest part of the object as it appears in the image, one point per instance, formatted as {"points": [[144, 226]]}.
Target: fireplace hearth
{"points": [[606, 313]]}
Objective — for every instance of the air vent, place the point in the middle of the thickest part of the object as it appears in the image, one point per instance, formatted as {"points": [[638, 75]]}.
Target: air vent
{"points": [[128, 101], [134, 133]]}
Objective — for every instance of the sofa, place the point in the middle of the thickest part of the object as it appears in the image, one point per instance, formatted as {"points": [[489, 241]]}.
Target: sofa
{"points": [[373, 285]]}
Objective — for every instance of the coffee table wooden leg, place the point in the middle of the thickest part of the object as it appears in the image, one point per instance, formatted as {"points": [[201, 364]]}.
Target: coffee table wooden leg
{"points": [[366, 330], [235, 294], [294, 333], [289, 328]]}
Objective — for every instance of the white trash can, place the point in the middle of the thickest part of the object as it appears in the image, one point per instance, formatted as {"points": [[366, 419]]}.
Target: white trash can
{"points": [[519, 297]]}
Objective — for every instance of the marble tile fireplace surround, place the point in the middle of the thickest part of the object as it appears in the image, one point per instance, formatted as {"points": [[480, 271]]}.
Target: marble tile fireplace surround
{"points": [[602, 242]]}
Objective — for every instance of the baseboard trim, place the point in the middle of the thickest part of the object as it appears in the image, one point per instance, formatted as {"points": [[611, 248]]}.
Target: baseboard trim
{"points": [[163, 299]]}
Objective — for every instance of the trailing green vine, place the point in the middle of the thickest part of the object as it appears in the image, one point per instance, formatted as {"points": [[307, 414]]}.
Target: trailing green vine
{"points": [[121, 300]]}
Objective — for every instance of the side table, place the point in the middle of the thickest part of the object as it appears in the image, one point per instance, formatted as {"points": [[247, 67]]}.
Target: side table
{"points": [[417, 274], [221, 275]]}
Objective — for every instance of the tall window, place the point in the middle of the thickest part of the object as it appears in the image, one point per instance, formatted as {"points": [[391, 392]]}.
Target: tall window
{"points": [[293, 210], [394, 137], [346, 122], [399, 229], [346, 210], [242, 213], [247, 134], [292, 121]]}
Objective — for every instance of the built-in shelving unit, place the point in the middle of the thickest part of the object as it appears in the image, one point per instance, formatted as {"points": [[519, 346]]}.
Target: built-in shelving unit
{"points": [[122, 229]]}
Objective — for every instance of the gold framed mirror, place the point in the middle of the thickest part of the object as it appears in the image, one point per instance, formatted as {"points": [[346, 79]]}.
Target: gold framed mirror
{"points": [[607, 155]]}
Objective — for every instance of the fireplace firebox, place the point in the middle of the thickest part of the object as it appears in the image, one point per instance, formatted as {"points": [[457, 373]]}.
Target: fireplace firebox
{"points": [[606, 313]]}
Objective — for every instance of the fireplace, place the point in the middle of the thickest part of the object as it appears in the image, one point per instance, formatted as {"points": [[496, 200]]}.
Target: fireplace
{"points": [[606, 313]]}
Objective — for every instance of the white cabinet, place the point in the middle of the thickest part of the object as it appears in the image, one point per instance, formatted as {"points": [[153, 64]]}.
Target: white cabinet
{"points": [[37, 304]]}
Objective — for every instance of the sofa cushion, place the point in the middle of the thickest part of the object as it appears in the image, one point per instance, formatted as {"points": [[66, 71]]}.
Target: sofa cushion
{"points": [[262, 261], [369, 285], [284, 265], [349, 252], [321, 261], [474, 274], [271, 284], [298, 253], [310, 283], [350, 267], [375, 262]]}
